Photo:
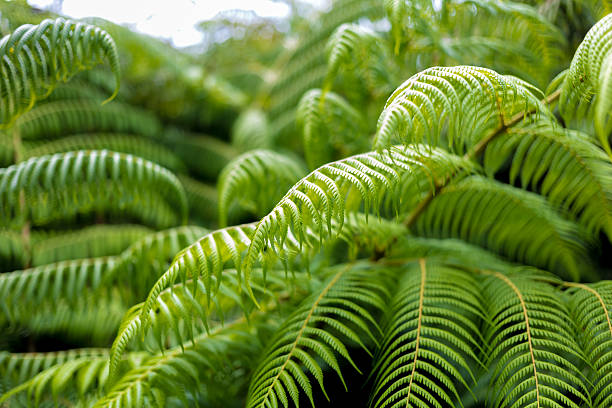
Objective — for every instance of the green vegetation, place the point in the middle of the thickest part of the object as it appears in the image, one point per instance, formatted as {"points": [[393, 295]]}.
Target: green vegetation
{"points": [[391, 204]]}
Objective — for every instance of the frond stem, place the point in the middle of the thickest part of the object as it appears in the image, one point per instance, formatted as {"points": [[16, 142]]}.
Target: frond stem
{"points": [[597, 295], [418, 334]]}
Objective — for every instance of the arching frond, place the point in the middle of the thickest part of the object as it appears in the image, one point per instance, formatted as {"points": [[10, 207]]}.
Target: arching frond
{"points": [[591, 307], [590, 77], [535, 359], [256, 180], [329, 125], [58, 119], [36, 58], [45, 189], [117, 142], [251, 131], [341, 310], [562, 165], [479, 211], [431, 339], [455, 106]]}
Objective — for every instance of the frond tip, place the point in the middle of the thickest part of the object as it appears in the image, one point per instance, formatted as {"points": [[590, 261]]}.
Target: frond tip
{"points": [[35, 58]]}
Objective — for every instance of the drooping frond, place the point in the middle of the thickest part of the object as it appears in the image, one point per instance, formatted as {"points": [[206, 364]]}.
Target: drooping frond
{"points": [[329, 125], [256, 180], [562, 165], [454, 106], [328, 192], [251, 131], [58, 119], [533, 355], [590, 77], [591, 307], [88, 242], [117, 142], [316, 333], [36, 58], [511, 222], [431, 339], [48, 188]]}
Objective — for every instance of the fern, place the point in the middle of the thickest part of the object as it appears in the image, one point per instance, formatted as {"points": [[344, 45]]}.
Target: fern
{"points": [[35, 58]]}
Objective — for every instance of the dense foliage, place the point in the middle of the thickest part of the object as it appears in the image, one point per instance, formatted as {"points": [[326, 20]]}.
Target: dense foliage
{"points": [[391, 203]]}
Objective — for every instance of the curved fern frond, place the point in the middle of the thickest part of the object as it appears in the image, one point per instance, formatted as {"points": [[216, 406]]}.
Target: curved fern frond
{"points": [[256, 180], [58, 119], [317, 332], [590, 76], [562, 165], [431, 340], [36, 58], [251, 131], [455, 106], [48, 188], [116, 142], [535, 359], [478, 210], [591, 306], [329, 124]]}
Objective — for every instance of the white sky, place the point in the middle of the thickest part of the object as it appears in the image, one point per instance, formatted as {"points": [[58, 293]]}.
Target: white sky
{"points": [[170, 19]]}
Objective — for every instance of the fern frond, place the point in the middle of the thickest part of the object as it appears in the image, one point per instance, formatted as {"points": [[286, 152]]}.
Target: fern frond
{"points": [[329, 124], [479, 211], [36, 58], [562, 165], [251, 131], [116, 142], [202, 199], [455, 106], [591, 307], [317, 332], [533, 352], [431, 340], [590, 76], [66, 184], [256, 180], [58, 119]]}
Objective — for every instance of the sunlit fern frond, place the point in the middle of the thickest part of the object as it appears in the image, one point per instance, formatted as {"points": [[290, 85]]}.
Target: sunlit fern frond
{"points": [[49, 188], [591, 307], [140, 265], [342, 310], [590, 79], [533, 355], [517, 224], [251, 131], [202, 199], [88, 242], [564, 166], [348, 184], [69, 280], [256, 180], [456, 107], [331, 128], [36, 58], [58, 119], [117, 142], [431, 341]]}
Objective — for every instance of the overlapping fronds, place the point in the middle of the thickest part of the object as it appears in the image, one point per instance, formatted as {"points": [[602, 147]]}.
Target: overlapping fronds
{"points": [[48, 188], [256, 180], [58, 119], [562, 165], [455, 106], [251, 131], [590, 78], [117, 142], [534, 358], [511, 222], [356, 182], [329, 125], [591, 307], [36, 58], [342, 310], [432, 339]]}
